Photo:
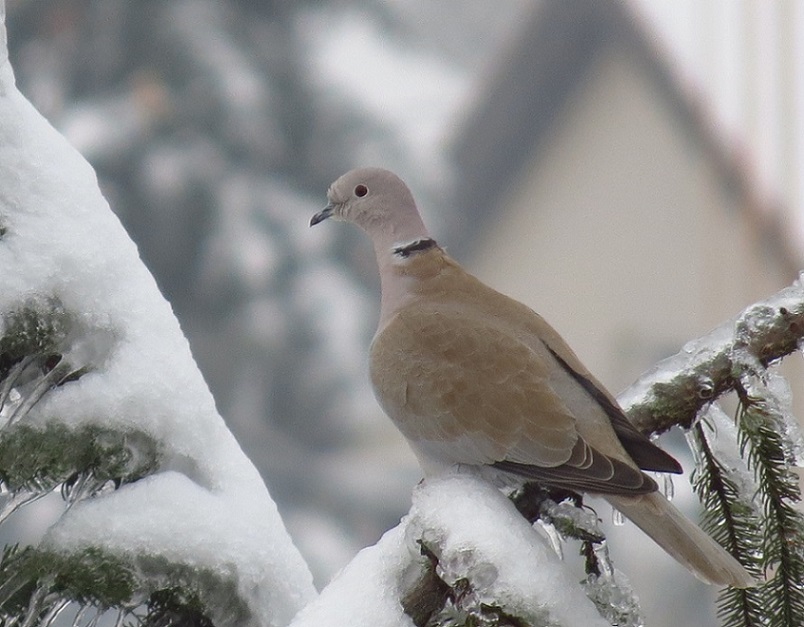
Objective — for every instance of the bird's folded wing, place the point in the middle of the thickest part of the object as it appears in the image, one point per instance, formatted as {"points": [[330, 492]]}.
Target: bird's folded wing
{"points": [[645, 453], [447, 376]]}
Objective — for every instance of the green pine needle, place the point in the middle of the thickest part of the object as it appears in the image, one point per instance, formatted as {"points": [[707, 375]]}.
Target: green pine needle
{"points": [[149, 590], [763, 437], [734, 524]]}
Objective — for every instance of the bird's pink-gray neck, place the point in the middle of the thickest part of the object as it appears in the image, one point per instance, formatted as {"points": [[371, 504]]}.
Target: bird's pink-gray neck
{"points": [[394, 248], [395, 234]]}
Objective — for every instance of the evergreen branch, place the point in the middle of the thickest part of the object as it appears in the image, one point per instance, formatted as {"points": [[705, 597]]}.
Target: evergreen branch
{"points": [[679, 387], [39, 459], [36, 339], [37, 328], [762, 435], [36, 583], [734, 524]]}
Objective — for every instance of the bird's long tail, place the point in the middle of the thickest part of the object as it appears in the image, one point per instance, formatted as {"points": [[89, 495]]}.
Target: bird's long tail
{"points": [[683, 540]]}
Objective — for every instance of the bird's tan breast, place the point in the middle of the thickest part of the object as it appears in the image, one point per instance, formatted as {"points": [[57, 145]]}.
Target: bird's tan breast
{"points": [[444, 375]]}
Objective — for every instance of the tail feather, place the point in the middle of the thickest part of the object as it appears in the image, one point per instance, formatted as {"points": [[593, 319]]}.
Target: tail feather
{"points": [[683, 540]]}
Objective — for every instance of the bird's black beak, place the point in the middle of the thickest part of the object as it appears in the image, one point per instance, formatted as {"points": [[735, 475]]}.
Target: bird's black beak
{"points": [[322, 215]]}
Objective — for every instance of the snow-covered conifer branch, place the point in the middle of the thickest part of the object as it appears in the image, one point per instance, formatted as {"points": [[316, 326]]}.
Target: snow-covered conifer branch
{"points": [[462, 556], [755, 517], [730, 517], [772, 451], [100, 397]]}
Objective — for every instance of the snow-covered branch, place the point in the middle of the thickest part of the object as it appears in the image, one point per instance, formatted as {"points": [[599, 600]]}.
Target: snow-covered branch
{"points": [[100, 397], [744, 472], [676, 389], [463, 556]]}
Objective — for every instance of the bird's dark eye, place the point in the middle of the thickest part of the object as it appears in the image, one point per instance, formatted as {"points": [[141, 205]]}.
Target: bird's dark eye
{"points": [[361, 190]]}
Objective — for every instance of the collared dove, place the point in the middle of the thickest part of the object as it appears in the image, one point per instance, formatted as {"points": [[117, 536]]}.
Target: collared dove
{"points": [[474, 378]]}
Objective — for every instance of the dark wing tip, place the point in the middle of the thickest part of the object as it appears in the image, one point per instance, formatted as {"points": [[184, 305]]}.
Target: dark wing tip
{"points": [[604, 475], [645, 453]]}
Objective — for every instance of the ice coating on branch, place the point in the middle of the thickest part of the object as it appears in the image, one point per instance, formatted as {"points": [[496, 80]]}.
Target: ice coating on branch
{"points": [[780, 394], [612, 593], [567, 514], [616, 599], [687, 361], [570, 521], [62, 247], [552, 536], [772, 390], [678, 387], [668, 487], [458, 518]]}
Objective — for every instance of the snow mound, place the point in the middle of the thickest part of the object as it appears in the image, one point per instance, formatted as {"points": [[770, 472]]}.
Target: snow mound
{"points": [[482, 547]]}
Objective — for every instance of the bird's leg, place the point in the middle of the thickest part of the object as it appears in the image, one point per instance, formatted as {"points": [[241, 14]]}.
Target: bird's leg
{"points": [[531, 498]]}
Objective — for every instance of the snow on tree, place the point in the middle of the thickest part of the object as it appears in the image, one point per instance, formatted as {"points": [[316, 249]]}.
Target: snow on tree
{"points": [[212, 135], [101, 398], [165, 522]]}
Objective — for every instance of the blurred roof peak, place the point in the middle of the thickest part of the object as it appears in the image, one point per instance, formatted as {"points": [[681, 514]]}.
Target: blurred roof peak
{"points": [[518, 99]]}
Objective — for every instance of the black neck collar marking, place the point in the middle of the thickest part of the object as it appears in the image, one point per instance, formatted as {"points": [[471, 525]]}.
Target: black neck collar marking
{"points": [[416, 246]]}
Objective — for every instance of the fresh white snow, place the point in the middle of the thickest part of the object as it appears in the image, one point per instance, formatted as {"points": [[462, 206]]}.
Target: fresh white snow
{"points": [[477, 535], [209, 508]]}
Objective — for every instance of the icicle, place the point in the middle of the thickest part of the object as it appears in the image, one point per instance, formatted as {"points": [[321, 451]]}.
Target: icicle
{"points": [[615, 599], [16, 500], [35, 605], [549, 531], [773, 391], [85, 486], [96, 618], [7, 390], [611, 592], [692, 444], [9, 588], [54, 612], [34, 396], [617, 517], [668, 487], [720, 432], [601, 550], [781, 397], [79, 615], [73, 492], [571, 520], [121, 616]]}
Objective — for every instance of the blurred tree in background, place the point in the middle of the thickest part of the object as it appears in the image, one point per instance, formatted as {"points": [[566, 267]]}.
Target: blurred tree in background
{"points": [[214, 138]]}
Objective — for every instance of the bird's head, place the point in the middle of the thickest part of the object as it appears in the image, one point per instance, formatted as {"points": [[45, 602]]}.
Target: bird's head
{"points": [[378, 202]]}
